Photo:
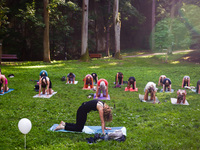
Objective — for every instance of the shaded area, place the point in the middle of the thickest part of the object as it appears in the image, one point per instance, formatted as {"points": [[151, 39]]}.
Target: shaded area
{"points": [[193, 57]]}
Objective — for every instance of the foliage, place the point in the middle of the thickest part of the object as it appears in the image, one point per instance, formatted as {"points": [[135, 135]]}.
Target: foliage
{"points": [[149, 126], [3, 18], [179, 37]]}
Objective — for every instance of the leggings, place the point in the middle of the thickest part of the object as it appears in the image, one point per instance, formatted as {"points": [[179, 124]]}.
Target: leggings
{"points": [[81, 118]]}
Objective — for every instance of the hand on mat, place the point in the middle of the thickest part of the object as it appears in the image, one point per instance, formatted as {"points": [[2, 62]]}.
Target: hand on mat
{"points": [[107, 128], [96, 97], [2, 92]]}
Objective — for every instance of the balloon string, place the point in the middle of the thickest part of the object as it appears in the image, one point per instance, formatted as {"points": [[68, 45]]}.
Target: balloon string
{"points": [[24, 141]]}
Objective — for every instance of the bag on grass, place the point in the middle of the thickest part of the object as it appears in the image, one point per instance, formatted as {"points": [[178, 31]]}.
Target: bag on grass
{"points": [[63, 78]]}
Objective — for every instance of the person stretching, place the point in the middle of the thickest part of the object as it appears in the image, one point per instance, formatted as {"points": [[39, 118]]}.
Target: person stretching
{"points": [[167, 84], [44, 83], [150, 88], [71, 77], [102, 85], [4, 82], [181, 96], [105, 115], [198, 87], [95, 77], [161, 79], [131, 81], [88, 80], [119, 78], [43, 73], [186, 81]]}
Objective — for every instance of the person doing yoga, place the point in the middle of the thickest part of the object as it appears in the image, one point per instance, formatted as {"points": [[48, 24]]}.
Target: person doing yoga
{"points": [[181, 96], [186, 81], [198, 87], [105, 115], [119, 78], [43, 73], [102, 85], [71, 77], [95, 77], [150, 88], [131, 81], [167, 84], [4, 82], [88, 80], [161, 79], [44, 83]]}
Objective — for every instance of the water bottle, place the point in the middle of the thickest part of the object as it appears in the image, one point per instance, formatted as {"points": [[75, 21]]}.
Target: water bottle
{"points": [[106, 137]]}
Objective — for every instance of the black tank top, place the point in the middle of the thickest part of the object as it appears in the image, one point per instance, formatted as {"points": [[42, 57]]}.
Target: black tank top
{"points": [[91, 105]]}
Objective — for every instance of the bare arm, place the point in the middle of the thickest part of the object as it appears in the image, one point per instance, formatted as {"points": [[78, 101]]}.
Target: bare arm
{"points": [[122, 80], [116, 79], [48, 87], [159, 81], [199, 90], [189, 82], [97, 92], [182, 82], [39, 87], [67, 79], [100, 109], [135, 84]]}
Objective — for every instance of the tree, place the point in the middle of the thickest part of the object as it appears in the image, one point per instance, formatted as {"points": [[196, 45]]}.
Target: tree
{"points": [[153, 25], [46, 33], [117, 26], [84, 36]]}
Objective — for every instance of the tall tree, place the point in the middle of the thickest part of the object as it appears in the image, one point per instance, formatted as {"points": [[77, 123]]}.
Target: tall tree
{"points": [[46, 33], [117, 26], [84, 36], [153, 24]]}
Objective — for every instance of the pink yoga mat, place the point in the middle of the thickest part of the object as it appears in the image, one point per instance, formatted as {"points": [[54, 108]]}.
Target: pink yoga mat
{"points": [[131, 89]]}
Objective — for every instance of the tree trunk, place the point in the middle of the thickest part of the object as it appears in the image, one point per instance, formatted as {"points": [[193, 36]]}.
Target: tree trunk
{"points": [[153, 26], [117, 24], [1, 41], [84, 38], [172, 13], [46, 33], [108, 32]]}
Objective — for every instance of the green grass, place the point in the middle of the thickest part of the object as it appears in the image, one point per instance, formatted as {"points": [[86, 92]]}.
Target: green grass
{"points": [[149, 126]]}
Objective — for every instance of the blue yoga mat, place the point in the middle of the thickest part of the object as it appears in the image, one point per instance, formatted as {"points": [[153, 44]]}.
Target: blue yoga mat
{"points": [[10, 90], [172, 90], [92, 129]]}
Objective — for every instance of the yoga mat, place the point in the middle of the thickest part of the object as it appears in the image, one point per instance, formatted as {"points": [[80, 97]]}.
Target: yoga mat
{"points": [[131, 89], [193, 90], [91, 129], [172, 90], [75, 82], [174, 101], [44, 95], [141, 97], [10, 90], [87, 88], [101, 97]]}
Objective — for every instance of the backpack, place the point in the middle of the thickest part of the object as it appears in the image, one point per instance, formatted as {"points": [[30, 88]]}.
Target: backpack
{"points": [[63, 78]]}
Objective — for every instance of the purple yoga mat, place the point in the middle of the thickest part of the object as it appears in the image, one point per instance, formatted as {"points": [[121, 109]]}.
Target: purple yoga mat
{"points": [[101, 97]]}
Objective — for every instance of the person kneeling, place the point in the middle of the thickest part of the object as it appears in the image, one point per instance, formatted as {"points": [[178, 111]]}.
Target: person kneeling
{"points": [[131, 81], [44, 83], [88, 80], [71, 77], [186, 81], [181, 96], [102, 85], [167, 85], [150, 88]]}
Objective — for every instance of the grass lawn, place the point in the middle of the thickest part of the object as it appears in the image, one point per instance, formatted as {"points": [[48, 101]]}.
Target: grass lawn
{"points": [[149, 126]]}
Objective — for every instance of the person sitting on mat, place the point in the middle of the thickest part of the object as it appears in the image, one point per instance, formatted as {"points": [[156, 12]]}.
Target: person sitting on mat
{"points": [[43, 73], [88, 80], [4, 82], [198, 87], [44, 83], [150, 88], [161, 79], [186, 81], [102, 85], [119, 78], [105, 115], [167, 84], [95, 77], [181, 96], [131, 81], [71, 77]]}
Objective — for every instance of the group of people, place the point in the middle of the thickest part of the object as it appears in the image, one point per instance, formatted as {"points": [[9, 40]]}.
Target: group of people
{"points": [[105, 113]]}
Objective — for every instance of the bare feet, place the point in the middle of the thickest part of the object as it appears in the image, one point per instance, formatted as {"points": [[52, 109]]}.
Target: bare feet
{"points": [[59, 127], [63, 123]]}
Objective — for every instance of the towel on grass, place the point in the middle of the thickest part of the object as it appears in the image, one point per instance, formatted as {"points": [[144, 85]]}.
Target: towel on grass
{"points": [[174, 101], [75, 82], [141, 97], [44, 95], [131, 89], [91, 129], [172, 90], [10, 90], [101, 97]]}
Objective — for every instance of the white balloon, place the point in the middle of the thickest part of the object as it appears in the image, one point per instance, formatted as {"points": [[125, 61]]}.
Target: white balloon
{"points": [[24, 125]]}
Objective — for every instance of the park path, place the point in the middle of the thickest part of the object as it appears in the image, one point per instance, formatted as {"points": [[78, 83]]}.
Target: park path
{"points": [[153, 54]]}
